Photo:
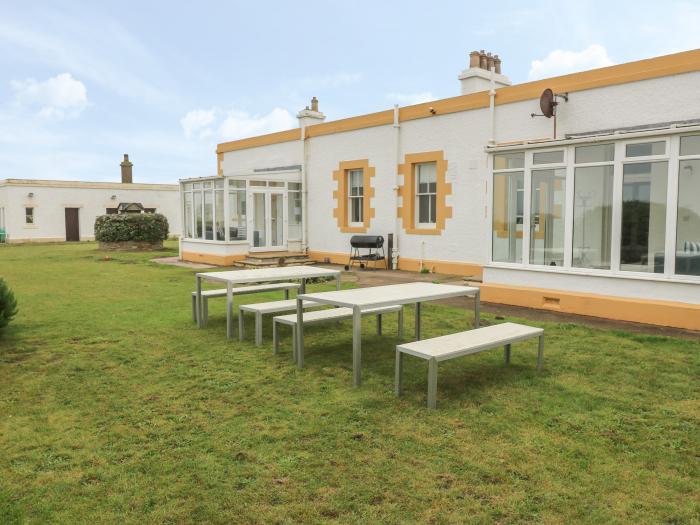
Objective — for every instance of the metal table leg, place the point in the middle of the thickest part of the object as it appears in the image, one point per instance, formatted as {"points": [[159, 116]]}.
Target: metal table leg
{"points": [[299, 333], [477, 309], [356, 346], [417, 321], [229, 310], [198, 287]]}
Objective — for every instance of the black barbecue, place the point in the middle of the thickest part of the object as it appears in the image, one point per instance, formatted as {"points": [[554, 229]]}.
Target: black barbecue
{"points": [[374, 244]]}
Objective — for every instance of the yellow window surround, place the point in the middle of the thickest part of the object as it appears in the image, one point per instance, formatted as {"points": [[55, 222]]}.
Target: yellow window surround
{"points": [[407, 212], [340, 194]]}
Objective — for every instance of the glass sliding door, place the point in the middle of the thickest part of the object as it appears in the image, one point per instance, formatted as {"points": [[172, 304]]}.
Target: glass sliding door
{"points": [[276, 219], [259, 222], [643, 236], [508, 216], [688, 221], [593, 190], [547, 214]]}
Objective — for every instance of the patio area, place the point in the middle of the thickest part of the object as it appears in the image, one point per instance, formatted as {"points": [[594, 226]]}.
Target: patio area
{"points": [[117, 407]]}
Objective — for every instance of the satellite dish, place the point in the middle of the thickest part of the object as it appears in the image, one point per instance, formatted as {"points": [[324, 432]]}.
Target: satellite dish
{"points": [[547, 103]]}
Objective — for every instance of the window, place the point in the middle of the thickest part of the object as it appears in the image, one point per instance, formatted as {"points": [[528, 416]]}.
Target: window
{"points": [[426, 193], [547, 212], [548, 157], [237, 210], [688, 206], [294, 214], [593, 190], [187, 211], [111, 211], [643, 235], [645, 149], [149, 210], [507, 227], [29, 215], [356, 196]]}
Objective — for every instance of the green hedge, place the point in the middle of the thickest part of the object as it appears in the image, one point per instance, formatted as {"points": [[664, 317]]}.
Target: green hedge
{"points": [[141, 227]]}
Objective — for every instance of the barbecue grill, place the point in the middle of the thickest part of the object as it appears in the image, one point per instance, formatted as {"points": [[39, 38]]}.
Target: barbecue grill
{"points": [[374, 244]]}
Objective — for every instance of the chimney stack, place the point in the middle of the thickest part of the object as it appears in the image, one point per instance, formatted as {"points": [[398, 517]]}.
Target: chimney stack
{"points": [[127, 177], [310, 115], [478, 77]]}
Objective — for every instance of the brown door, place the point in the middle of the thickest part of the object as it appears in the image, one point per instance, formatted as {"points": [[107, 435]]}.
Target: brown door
{"points": [[72, 224]]}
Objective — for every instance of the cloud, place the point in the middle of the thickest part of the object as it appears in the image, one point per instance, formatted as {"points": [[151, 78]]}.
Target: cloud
{"points": [[239, 124], [234, 124], [198, 121], [408, 99], [560, 62], [61, 96]]}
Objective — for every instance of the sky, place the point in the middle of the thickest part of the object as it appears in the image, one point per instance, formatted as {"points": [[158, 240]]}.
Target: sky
{"points": [[82, 83]]}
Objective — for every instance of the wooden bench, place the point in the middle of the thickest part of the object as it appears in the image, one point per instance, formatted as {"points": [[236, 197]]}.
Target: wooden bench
{"points": [[464, 343], [240, 290], [323, 316], [260, 309]]}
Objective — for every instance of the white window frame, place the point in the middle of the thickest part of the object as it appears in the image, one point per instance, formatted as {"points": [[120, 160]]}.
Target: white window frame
{"points": [[351, 197], [417, 194], [28, 215]]}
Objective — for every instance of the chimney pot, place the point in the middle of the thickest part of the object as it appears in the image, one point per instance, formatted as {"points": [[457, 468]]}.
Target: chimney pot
{"points": [[314, 104], [489, 62], [497, 64], [474, 59], [483, 60], [126, 165]]}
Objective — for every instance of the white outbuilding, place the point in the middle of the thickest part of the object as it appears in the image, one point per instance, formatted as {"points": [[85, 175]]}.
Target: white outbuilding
{"points": [[34, 210]]}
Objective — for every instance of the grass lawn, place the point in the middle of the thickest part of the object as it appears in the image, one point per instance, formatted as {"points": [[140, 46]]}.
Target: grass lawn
{"points": [[115, 408]]}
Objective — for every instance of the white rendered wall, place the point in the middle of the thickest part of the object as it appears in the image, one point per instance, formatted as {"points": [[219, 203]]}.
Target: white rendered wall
{"points": [[273, 156], [49, 205]]}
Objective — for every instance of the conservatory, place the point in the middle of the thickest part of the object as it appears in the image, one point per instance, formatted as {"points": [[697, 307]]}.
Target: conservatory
{"points": [[225, 218]]}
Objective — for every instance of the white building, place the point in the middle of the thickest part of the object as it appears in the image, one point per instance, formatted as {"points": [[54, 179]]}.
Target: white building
{"points": [[612, 201], [56, 211]]}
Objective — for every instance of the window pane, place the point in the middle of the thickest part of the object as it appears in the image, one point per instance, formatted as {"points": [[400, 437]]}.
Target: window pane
{"points": [[356, 204], [236, 183], [593, 189], [433, 208], [548, 157], [198, 214], [258, 183], [644, 149], [219, 183], [294, 215], [690, 145], [643, 217], [219, 219], [276, 184], [423, 209], [197, 185], [259, 219], [597, 153], [187, 215], [188, 186], [688, 225], [426, 177], [276, 219], [237, 225], [208, 215], [507, 217], [294, 186], [506, 161], [207, 184], [547, 211]]}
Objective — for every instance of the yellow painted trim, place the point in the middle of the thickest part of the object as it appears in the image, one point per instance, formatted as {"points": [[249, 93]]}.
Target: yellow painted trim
{"points": [[656, 67], [406, 212], [39, 183], [340, 194], [208, 258], [664, 313], [260, 140], [219, 166]]}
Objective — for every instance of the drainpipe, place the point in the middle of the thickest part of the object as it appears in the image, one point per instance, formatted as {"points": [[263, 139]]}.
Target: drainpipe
{"points": [[397, 145], [492, 107], [304, 191]]}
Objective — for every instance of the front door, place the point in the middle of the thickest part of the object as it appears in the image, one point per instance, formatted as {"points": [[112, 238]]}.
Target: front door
{"points": [[72, 224], [268, 220]]}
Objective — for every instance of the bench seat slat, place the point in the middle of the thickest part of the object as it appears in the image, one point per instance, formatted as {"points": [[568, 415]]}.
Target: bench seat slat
{"points": [[333, 314], [469, 342], [271, 307], [221, 292]]}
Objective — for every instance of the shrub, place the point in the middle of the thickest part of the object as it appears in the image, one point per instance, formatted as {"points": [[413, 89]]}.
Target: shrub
{"points": [[139, 227], [8, 304]]}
